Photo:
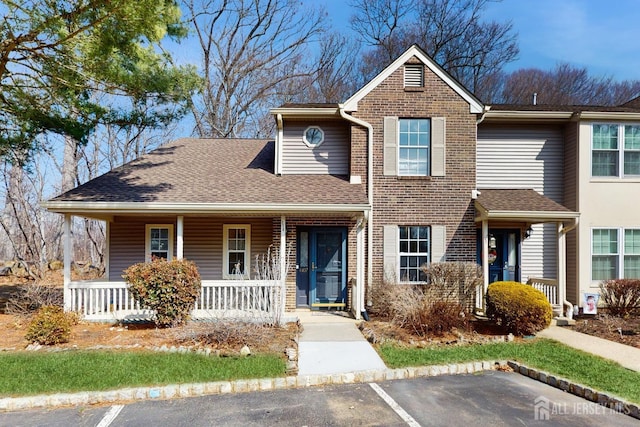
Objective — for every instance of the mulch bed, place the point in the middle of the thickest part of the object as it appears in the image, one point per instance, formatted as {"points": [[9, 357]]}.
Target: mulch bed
{"points": [[625, 331]]}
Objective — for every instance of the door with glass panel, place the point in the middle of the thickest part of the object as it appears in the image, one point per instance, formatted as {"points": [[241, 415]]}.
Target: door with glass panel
{"points": [[321, 267], [504, 254]]}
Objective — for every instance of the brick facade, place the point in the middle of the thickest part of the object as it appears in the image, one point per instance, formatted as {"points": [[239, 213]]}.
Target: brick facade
{"points": [[421, 200]]}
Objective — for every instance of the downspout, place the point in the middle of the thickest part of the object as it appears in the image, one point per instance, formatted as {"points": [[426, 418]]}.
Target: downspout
{"points": [[369, 127], [564, 230], [484, 113]]}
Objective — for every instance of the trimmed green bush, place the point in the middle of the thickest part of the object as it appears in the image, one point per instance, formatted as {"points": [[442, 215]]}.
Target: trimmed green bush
{"points": [[520, 308], [50, 325], [621, 296], [168, 287]]}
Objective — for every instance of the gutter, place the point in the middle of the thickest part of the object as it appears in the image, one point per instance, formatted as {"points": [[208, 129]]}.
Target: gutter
{"points": [[369, 220]]}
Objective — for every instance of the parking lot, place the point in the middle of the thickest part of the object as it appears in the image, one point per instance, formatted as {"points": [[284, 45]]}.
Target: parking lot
{"points": [[487, 399]]}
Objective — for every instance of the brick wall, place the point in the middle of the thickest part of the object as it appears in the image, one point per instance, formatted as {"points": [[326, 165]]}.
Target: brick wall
{"points": [[421, 200]]}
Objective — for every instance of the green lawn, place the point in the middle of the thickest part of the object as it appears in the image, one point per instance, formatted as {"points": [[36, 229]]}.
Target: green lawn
{"points": [[543, 354], [35, 373]]}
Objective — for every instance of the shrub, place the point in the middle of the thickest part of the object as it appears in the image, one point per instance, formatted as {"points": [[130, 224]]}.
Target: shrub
{"points": [[50, 325], [520, 308], [454, 281], [621, 296], [168, 287], [30, 297]]}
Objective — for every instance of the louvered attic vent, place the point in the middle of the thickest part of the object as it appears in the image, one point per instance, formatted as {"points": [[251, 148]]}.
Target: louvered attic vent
{"points": [[413, 75]]}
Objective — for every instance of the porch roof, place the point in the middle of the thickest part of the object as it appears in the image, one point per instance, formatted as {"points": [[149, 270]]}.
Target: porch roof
{"points": [[194, 175], [522, 205]]}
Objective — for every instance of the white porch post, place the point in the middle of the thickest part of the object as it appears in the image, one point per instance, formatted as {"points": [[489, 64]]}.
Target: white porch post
{"points": [[67, 262], [562, 266], [485, 263], [107, 244], [358, 298], [283, 263], [179, 237]]}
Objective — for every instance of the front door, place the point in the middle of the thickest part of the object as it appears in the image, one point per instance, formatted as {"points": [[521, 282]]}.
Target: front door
{"points": [[321, 274], [504, 254]]}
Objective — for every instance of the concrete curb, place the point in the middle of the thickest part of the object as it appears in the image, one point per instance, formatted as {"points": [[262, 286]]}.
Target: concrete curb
{"points": [[614, 403], [240, 386]]}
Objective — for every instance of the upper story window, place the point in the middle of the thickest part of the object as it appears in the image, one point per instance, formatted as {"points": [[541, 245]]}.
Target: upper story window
{"points": [[159, 241], [236, 250], [313, 136], [613, 146], [414, 75], [414, 145]]}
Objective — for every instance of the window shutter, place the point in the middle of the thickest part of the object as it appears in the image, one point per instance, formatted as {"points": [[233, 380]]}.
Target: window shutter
{"points": [[438, 146], [390, 253], [413, 75], [438, 243], [390, 146]]}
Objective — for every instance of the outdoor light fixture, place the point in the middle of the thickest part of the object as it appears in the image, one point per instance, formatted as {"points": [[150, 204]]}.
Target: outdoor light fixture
{"points": [[492, 242], [528, 232]]}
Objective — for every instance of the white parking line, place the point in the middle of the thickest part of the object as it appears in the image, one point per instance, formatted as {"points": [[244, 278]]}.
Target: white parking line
{"points": [[394, 405], [110, 415]]}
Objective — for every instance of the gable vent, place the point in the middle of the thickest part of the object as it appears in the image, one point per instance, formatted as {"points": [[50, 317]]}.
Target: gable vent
{"points": [[413, 75]]}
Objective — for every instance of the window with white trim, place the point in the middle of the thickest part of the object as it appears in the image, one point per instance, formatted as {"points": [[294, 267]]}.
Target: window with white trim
{"points": [[615, 150], [615, 251], [414, 145], [236, 250], [414, 252], [158, 241]]}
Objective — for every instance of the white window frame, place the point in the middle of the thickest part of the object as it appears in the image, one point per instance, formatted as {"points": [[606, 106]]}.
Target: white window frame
{"points": [[620, 251], [307, 142], [620, 150], [412, 254], [623, 250], [147, 240], [226, 251], [427, 148]]}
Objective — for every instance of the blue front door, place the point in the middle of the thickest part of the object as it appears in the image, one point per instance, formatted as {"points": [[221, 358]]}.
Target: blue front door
{"points": [[504, 254], [321, 276]]}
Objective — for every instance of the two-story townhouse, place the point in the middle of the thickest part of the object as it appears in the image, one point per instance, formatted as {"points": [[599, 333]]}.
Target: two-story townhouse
{"points": [[411, 169]]}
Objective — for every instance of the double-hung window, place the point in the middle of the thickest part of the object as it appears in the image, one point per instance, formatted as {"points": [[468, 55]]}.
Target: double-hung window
{"points": [[236, 250], [613, 146], [615, 250], [159, 241], [414, 145], [414, 252]]}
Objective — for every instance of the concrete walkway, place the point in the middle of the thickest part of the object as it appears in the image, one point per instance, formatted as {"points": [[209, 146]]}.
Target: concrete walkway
{"points": [[625, 355], [331, 343]]}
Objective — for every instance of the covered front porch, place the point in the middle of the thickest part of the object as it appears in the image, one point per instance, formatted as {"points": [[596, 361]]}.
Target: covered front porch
{"points": [[505, 218], [230, 250]]}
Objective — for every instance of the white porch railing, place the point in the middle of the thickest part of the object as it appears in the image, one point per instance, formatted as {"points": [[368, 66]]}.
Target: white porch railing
{"points": [[103, 300], [549, 287]]}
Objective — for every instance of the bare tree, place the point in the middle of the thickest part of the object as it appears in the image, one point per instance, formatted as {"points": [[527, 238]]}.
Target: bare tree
{"points": [[252, 53], [566, 85], [452, 32]]}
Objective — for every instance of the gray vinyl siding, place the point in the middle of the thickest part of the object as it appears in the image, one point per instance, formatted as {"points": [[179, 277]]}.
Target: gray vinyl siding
{"points": [[526, 157], [331, 157], [571, 201], [202, 239]]}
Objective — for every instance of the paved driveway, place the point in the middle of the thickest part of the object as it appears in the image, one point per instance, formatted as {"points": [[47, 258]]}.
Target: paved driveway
{"points": [[486, 399]]}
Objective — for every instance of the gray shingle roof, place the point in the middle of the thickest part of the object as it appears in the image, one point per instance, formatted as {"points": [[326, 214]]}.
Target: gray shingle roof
{"points": [[222, 171], [517, 200]]}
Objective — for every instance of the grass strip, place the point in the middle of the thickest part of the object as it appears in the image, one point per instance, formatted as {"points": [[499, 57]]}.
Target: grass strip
{"points": [[36, 373], [542, 354]]}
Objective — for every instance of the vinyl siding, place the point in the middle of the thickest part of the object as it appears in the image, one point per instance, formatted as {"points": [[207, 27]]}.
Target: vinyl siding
{"points": [[202, 242], [331, 157], [525, 157], [571, 201]]}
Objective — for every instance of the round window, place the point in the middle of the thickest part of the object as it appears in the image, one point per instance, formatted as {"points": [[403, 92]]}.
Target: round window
{"points": [[313, 136]]}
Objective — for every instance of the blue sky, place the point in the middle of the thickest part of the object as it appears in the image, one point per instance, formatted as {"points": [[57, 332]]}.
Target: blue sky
{"points": [[602, 35]]}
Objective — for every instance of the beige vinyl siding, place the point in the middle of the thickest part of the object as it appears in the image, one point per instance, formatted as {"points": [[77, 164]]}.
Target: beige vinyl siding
{"points": [[526, 157], [331, 157], [202, 242]]}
